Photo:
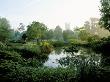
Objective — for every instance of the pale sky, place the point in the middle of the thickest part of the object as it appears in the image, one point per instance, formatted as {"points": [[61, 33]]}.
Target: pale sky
{"points": [[49, 12]]}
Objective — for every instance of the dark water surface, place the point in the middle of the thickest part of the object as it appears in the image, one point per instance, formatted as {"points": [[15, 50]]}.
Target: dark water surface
{"points": [[60, 58]]}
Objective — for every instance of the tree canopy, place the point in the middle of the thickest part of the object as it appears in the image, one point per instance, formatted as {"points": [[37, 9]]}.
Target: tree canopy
{"points": [[105, 14], [4, 29], [36, 30], [58, 35]]}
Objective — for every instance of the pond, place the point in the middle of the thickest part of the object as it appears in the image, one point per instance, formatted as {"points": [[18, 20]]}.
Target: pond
{"points": [[59, 58]]}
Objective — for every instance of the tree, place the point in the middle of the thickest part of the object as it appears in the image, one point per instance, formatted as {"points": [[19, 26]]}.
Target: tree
{"points": [[58, 35], [105, 14], [68, 35], [49, 34], [36, 30], [87, 25], [17, 35], [24, 36], [4, 29], [83, 34]]}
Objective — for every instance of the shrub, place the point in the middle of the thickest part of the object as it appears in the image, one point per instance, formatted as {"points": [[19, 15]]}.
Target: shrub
{"points": [[10, 55], [93, 38], [8, 66], [2, 46], [27, 74], [33, 47], [29, 50], [58, 43], [32, 62], [46, 47], [102, 45]]}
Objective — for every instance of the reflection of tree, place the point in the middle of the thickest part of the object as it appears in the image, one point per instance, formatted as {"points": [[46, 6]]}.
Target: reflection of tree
{"points": [[105, 60], [89, 51], [84, 58], [43, 59], [58, 50]]}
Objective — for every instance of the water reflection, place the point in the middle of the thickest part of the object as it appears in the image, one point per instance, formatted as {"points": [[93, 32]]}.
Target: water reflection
{"points": [[105, 60], [78, 60], [58, 50], [63, 59], [53, 59]]}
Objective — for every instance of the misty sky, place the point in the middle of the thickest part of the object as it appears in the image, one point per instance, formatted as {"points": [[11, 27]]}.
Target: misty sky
{"points": [[49, 12]]}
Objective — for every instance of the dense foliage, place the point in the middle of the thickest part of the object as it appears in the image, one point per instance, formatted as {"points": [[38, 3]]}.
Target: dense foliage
{"points": [[36, 31], [105, 14], [14, 67], [4, 29]]}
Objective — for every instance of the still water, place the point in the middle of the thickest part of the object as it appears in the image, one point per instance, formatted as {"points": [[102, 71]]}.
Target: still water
{"points": [[60, 58]]}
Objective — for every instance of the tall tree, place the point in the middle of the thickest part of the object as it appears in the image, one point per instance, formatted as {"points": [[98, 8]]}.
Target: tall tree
{"points": [[58, 35], [49, 34], [36, 30], [105, 14], [87, 26], [68, 35], [4, 29], [24, 36], [83, 34]]}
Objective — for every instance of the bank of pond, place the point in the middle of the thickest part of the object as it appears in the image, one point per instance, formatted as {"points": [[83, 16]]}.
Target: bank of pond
{"points": [[32, 62]]}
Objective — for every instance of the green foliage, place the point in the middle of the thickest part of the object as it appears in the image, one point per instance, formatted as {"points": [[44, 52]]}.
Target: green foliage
{"points": [[58, 35], [36, 30], [101, 46], [93, 38], [8, 66], [105, 14], [46, 47], [49, 35], [33, 62], [4, 29], [24, 36], [2, 46], [29, 50], [67, 35], [83, 35], [17, 35], [15, 68], [27, 74], [33, 47], [58, 43], [76, 41], [10, 55]]}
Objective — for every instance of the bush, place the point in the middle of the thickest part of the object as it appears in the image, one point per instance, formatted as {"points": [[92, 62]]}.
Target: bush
{"points": [[10, 55], [27, 74], [46, 48], [58, 43], [93, 38], [32, 62], [33, 47], [29, 50], [8, 66], [101, 46], [2, 46], [19, 73]]}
